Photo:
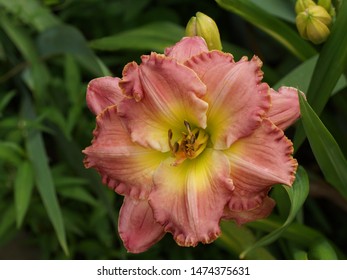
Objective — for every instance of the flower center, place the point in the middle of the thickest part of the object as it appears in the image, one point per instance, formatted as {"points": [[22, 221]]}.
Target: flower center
{"points": [[190, 145]]}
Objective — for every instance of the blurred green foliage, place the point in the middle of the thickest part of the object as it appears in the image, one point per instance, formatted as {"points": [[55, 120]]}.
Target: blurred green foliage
{"points": [[51, 207]]}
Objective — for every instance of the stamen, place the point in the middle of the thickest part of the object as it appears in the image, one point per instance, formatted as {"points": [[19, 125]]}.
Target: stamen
{"points": [[192, 144], [169, 134], [175, 148], [192, 139], [187, 125]]}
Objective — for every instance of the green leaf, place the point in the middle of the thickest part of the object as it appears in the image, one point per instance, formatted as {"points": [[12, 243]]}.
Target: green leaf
{"points": [[23, 187], [301, 76], [23, 42], [297, 195], [8, 220], [331, 64], [155, 37], [279, 8], [299, 233], [5, 100], [325, 149], [78, 194], [43, 177], [66, 39], [72, 79], [322, 250], [31, 12], [276, 28], [236, 239], [11, 152], [71, 152]]}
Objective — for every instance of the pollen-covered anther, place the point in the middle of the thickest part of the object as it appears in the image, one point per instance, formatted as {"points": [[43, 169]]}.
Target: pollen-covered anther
{"points": [[190, 145]]}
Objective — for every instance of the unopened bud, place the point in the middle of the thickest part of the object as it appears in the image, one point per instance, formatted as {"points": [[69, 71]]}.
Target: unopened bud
{"points": [[302, 5], [313, 24], [326, 4], [205, 27]]}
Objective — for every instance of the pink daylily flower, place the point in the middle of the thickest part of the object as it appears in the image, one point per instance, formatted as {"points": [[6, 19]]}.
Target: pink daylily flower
{"points": [[190, 137]]}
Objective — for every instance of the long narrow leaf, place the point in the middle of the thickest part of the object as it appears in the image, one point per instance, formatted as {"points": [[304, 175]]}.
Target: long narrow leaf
{"points": [[302, 235], [26, 46], [31, 12], [154, 36], [271, 25], [236, 239], [326, 151], [279, 8], [297, 195], [23, 187], [44, 182], [301, 76], [8, 221], [66, 39], [331, 64]]}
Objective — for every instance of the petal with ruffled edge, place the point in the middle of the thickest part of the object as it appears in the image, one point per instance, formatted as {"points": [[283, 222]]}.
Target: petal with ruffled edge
{"points": [[166, 94], [285, 108], [257, 162], [137, 227], [103, 92], [186, 48], [189, 199], [237, 99], [124, 166], [260, 212]]}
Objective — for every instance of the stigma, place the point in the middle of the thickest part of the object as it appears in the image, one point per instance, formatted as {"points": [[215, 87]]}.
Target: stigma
{"points": [[189, 146]]}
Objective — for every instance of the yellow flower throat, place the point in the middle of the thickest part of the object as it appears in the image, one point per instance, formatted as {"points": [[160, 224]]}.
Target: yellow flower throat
{"points": [[190, 145]]}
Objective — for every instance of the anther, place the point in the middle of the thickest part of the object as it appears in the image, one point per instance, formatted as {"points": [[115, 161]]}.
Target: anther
{"points": [[169, 135], [187, 125], [175, 148]]}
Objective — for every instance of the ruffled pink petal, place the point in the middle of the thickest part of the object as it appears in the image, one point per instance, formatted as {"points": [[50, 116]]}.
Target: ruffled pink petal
{"points": [[285, 109], [103, 92], [237, 99], [257, 162], [189, 199], [166, 94], [137, 227], [124, 166], [260, 212], [186, 48]]}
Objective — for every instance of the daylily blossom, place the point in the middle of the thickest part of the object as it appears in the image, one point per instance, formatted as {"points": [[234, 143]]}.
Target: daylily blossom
{"points": [[190, 137]]}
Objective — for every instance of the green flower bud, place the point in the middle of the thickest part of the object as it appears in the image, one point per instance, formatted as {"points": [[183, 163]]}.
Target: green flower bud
{"points": [[326, 4], [205, 27], [313, 24], [302, 5]]}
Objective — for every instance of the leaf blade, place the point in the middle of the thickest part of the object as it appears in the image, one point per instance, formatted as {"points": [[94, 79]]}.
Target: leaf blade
{"points": [[271, 25], [67, 39], [23, 187], [297, 195], [331, 64], [43, 177], [155, 36], [325, 149]]}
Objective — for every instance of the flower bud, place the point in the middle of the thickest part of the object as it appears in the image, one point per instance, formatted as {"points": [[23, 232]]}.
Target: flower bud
{"points": [[205, 27], [313, 24], [328, 6], [302, 5]]}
